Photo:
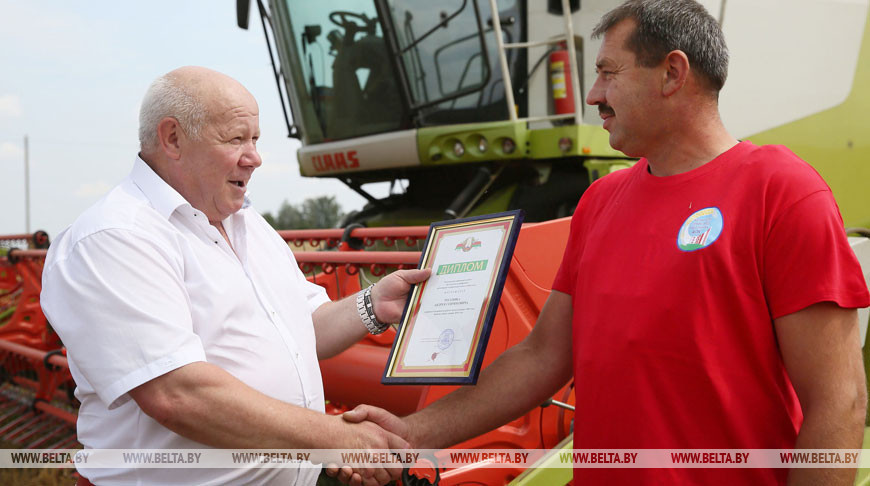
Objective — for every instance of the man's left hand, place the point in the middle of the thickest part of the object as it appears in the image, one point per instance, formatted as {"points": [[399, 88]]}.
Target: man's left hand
{"points": [[389, 295]]}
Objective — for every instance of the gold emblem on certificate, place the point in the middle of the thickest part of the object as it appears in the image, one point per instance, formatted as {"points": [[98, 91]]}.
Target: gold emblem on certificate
{"points": [[446, 323]]}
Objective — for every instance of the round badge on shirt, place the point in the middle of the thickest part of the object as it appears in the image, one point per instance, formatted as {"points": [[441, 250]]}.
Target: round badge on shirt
{"points": [[700, 229]]}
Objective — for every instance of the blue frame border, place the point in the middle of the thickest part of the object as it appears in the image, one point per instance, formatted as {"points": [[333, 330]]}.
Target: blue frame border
{"points": [[491, 310]]}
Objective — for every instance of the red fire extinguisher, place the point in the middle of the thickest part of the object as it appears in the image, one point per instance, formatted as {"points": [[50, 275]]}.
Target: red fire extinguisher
{"points": [[560, 81]]}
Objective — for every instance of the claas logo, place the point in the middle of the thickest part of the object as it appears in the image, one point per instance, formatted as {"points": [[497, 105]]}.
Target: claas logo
{"points": [[335, 161]]}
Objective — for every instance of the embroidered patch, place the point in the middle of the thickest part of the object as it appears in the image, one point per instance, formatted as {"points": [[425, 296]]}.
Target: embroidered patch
{"points": [[700, 229]]}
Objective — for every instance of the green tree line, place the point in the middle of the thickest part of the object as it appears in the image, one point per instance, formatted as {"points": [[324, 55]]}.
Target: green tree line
{"points": [[314, 212]]}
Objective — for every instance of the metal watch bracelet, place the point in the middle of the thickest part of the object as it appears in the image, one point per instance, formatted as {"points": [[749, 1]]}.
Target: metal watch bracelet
{"points": [[366, 309]]}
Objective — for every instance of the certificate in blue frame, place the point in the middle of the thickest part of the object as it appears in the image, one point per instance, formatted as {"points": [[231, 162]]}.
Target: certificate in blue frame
{"points": [[447, 319]]}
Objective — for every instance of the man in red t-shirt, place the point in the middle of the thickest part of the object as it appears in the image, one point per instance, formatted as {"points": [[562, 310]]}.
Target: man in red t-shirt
{"points": [[709, 292]]}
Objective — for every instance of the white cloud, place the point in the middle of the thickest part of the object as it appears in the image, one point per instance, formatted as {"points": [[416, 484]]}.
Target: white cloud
{"points": [[92, 189], [11, 151], [10, 105]]}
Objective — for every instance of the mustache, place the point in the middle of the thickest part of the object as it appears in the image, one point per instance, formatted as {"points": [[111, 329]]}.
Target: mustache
{"points": [[605, 110]]}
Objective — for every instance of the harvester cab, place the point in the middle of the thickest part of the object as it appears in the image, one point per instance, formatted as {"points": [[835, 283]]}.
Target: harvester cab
{"points": [[464, 115]]}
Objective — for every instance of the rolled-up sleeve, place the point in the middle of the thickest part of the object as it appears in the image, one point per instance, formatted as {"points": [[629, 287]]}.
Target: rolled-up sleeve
{"points": [[117, 300]]}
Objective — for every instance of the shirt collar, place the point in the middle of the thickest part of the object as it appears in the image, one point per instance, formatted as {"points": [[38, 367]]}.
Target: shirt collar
{"points": [[161, 195]]}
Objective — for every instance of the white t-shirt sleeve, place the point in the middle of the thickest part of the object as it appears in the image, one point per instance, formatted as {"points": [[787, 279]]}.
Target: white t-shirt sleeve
{"points": [[118, 302]]}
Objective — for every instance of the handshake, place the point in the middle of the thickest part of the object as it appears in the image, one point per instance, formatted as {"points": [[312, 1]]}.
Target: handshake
{"points": [[368, 428]]}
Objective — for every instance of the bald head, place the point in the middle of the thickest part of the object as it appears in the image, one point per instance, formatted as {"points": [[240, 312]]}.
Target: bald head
{"points": [[199, 131], [191, 95]]}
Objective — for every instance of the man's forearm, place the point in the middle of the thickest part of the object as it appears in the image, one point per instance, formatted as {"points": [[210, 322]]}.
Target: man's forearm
{"points": [[337, 326], [507, 389], [519, 380], [837, 427], [204, 403], [821, 349]]}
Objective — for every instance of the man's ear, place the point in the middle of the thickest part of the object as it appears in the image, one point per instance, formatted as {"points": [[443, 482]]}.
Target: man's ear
{"points": [[169, 134], [676, 72]]}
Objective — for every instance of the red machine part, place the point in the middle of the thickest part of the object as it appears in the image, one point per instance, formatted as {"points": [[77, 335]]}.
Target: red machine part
{"points": [[38, 411], [369, 236], [26, 334], [27, 324], [8, 278]]}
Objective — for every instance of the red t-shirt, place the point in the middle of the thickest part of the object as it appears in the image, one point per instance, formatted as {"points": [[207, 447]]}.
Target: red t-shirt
{"points": [[675, 284]]}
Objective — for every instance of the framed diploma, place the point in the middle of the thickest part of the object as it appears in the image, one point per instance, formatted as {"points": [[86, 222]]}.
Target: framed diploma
{"points": [[447, 320]]}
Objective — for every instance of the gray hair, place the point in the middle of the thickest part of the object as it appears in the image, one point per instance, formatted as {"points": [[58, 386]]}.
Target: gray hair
{"points": [[667, 25], [167, 97]]}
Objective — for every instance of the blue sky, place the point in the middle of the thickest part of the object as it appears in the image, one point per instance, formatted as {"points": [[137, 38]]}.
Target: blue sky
{"points": [[73, 76]]}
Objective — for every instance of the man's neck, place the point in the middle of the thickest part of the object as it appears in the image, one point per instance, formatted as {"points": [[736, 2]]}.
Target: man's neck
{"points": [[690, 147], [149, 160], [157, 165]]}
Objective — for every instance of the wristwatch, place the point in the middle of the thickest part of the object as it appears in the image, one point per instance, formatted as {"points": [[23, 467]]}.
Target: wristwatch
{"points": [[366, 309]]}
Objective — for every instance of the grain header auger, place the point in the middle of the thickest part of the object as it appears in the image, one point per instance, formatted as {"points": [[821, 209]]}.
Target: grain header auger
{"points": [[37, 407]]}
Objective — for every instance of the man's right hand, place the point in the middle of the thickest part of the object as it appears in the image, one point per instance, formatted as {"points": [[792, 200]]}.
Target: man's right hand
{"points": [[379, 416], [369, 428], [388, 424]]}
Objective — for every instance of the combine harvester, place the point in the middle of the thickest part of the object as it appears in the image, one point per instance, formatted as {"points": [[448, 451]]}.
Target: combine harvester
{"points": [[465, 116]]}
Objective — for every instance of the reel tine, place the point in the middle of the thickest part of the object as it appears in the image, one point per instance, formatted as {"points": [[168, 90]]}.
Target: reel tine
{"points": [[60, 430], [16, 422], [43, 424], [33, 420], [71, 443]]}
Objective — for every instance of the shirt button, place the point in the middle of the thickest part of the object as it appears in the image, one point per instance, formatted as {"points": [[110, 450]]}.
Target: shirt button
{"points": [[298, 356]]}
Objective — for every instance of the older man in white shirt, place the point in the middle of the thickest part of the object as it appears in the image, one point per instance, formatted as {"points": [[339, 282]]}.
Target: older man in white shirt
{"points": [[186, 319]]}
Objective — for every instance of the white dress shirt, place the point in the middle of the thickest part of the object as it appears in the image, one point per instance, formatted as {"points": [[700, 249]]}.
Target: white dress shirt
{"points": [[142, 284]]}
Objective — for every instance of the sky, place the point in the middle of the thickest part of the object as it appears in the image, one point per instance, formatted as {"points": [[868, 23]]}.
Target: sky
{"points": [[73, 76]]}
